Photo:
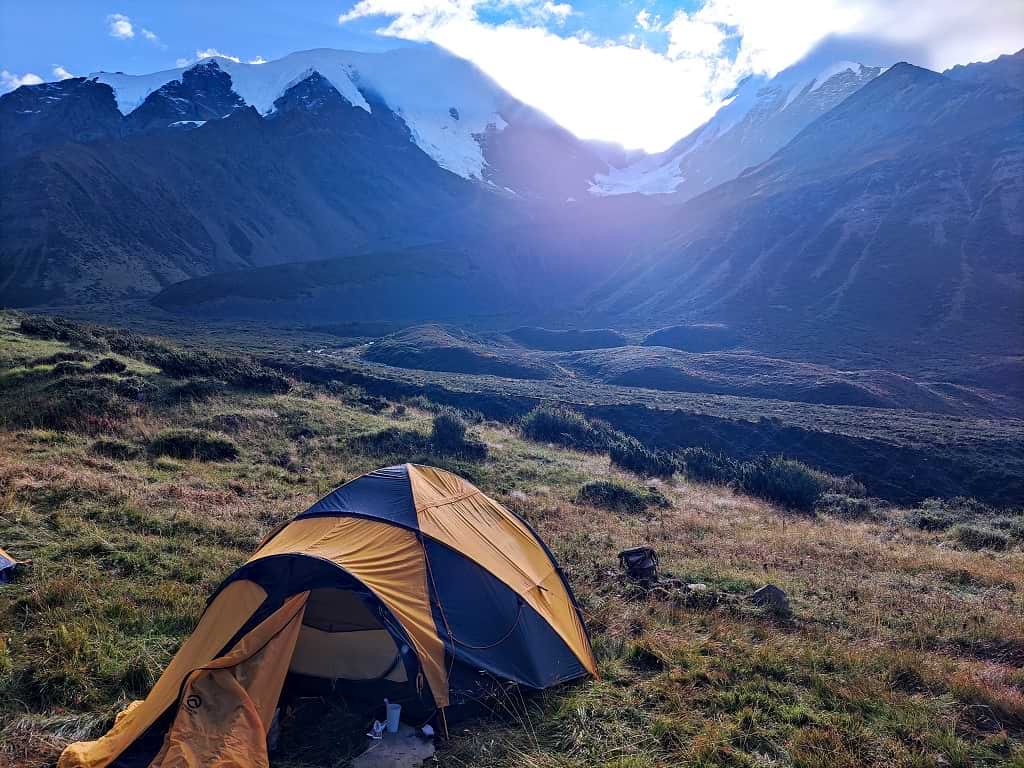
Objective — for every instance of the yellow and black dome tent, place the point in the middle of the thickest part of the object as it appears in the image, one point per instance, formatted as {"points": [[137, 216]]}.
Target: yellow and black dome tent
{"points": [[407, 582]]}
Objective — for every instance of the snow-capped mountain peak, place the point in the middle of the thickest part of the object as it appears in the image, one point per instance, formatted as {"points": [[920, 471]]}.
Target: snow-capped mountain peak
{"points": [[446, 102], [761, 116]]}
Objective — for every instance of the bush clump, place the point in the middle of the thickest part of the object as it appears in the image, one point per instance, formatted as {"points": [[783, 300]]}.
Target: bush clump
{"points": [[87, 404], [846, 486], [942, 514], [193, 444], [68, 368], [113, 448], [849, 507], [776, 479], [783, 481], [449, 429], [391, 442], [134, 388], [59, 329], [448, 435], [235, 370], [109, 365], [629, 453], [60, 357], [609, 494], [197, 389], [564, 426], [708, 466], [979, 537]]}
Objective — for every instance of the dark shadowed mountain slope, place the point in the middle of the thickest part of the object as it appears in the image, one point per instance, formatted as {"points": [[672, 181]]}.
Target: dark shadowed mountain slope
{"points": [[893, 223], [112, 219], [38, 116], [456, 114], [203, 93], [117, 186], [514, 261], [1007, 71]]}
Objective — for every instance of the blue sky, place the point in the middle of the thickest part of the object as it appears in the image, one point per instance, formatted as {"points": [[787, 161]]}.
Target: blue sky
{"points": [[76, 35], [641, 72]]}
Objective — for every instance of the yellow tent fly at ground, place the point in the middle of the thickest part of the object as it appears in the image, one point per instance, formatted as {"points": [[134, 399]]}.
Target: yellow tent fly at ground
{"points": [[406, 583]]}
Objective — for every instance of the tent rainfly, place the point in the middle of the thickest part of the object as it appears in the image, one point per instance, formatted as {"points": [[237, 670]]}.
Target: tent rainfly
{"points": [[407, 582]]}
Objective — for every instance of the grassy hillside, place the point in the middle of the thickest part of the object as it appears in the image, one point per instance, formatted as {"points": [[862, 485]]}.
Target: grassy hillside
{"points": [[137, 475], [900, 455], [436, 348]]}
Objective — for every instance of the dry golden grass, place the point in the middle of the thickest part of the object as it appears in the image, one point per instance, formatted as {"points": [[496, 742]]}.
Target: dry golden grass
{"points": [[902, 650]]}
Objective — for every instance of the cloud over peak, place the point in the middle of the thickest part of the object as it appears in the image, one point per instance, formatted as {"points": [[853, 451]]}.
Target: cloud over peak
{"points": [[9, 80], [120, 26], [652, 85]]}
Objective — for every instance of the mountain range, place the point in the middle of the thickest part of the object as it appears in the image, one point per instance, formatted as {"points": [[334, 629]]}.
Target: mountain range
{"points": [[832, 209]]}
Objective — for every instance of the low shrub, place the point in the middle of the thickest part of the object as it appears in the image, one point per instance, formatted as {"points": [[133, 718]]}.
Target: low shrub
{"points": [[609, 494], [564, 426], [113, 448], [231, 423], [846, 486], [391, 442], [109, 365], [131, 344], [59, 329], [134, 388], [87, 404], [449, 429], [68, 368], [448, 436], [193, 444], [783, 481], [629, 453], [60, 357], [197, 389], [943, 514], [235, 370], [708, 466], [979, 537], [374, 403], [1011, 526], [777, 479], [848, 507]]}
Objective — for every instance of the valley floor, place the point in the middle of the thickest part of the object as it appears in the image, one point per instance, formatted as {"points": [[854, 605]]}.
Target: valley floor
{"points": [[905, 647]]}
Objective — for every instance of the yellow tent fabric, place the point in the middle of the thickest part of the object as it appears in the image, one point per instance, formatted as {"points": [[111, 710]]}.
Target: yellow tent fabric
{"points": [[456, 513], [386, 550], [220, 622], [389, 561], [228, 705]]}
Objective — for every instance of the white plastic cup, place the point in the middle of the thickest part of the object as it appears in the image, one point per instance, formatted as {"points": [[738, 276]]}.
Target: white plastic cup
{"points": [[394, 713]]}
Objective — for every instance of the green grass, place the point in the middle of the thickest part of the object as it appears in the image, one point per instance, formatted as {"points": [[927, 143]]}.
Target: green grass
{"points": [[903, 650]]}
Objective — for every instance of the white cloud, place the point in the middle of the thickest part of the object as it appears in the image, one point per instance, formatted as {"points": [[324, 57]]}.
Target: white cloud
{"points": [[210, 53], [9, 81], [61, 73], [152, 37], [690, 37], [647, 22], [625, 91], [550, 10], [120, 26]]}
